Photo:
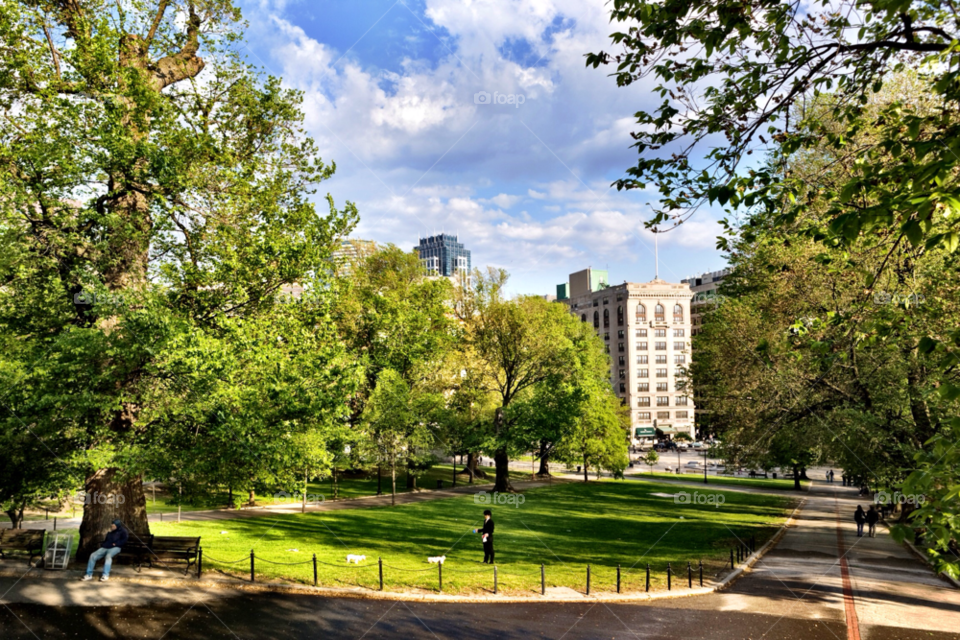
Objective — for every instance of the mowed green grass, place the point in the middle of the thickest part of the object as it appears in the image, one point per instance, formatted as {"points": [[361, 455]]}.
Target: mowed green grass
{"points": [[367, 486], [760, 483], [565, 527]]}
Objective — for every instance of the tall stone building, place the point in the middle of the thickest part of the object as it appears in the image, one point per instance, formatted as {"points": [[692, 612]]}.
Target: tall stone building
{"points": [[646, 328], [705, 296]]}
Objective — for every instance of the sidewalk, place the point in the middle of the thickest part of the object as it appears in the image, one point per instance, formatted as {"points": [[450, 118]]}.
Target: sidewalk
{"points": [[821, 570]]}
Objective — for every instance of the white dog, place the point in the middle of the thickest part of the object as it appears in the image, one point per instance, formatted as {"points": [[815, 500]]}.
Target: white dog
{"points": [[436, 559], [355, 559]]}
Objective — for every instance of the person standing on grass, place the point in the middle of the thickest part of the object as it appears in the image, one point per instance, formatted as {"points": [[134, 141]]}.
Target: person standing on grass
{"points": [[860, 518], [111, 546], [487, 536], [872, 518]]}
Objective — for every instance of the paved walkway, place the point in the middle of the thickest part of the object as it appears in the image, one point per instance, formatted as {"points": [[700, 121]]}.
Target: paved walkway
{"points": [[863, 587], [820, 581]]}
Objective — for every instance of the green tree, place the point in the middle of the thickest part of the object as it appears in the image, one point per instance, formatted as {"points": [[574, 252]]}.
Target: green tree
{"points": [[650, 458], [177, 202]]}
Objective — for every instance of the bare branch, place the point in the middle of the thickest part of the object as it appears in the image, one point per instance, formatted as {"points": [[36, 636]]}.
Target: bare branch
{"points": [[156, 21]]}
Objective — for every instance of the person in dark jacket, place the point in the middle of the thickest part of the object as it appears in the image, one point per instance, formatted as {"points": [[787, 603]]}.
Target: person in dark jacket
{"points": [[487, 536], [111, 546], [872, 518], [860, 517]]}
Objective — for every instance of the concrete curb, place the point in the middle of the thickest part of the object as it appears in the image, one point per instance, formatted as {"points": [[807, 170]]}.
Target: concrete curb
{"points": [[759, 553], [364, 594]]}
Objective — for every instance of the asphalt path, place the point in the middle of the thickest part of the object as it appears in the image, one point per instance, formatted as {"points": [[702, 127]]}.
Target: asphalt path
{"points": [[820, 581]]}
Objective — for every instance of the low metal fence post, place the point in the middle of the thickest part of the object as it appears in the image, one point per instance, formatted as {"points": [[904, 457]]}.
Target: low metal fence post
{"points": [[380, 561], [689, 575], [588, 579], [543, 581], [669, 576], [648, 576], [314, 569], [252, 579], [701, 573], [199, 562], [618, 578]]}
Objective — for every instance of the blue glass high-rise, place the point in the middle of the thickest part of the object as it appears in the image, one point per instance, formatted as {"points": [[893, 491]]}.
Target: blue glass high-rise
{"points": [[443, 255]]}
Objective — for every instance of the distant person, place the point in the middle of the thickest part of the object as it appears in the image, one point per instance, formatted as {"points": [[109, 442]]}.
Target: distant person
{"points": [[110, 547], [860, 518], [872, 518], [487, 536], [831, 476]]}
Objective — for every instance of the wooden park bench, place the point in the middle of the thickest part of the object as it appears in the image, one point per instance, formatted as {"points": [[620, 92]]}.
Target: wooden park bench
{"points": [[136, 550], [170, 549], [28, 540]]}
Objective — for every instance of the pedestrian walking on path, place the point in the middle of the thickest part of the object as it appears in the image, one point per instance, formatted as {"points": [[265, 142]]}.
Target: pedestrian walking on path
{"points": [[860, 517], [872, 518], [487, 536], [111, 546]]}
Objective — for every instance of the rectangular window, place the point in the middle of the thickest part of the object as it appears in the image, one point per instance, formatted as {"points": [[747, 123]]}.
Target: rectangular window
{"points": [[606, 300], [662, 386], [681, 401], [620, 347], [663, 401], [643, 373], [596, 303], [679, 346], [661, 359], [678, 333], [623, 374], [643, 416], [623, 387], [681, 415], [620, 334], [643, 402], [661, 346], [641, 346], [643, 387], [661, 373], [619, 297], [641, 333], [663, 415], [606, 348], [622, 361], [659, 333], [642, 359], [680, 359]]}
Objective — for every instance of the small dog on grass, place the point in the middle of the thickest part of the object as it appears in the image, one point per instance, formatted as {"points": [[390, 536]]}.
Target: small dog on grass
{"points": [[355, 559], [436, 559]]}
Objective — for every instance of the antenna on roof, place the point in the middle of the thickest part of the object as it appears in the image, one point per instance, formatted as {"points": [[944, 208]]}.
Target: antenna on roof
{"points": [[656, 255]]}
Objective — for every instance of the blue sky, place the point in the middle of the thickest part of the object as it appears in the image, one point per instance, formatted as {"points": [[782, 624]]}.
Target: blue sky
{"points": [[478, 117]]}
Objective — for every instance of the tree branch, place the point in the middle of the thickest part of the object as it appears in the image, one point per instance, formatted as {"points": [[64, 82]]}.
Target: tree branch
{"points": [[184, 64], [156, 21], [53, 50]]}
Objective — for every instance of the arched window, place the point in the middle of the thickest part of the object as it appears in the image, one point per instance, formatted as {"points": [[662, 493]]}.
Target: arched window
{"points": [[606, 317], [641, 313], [583, 317], [596, 319], [620, 315], [658, 313], [677, 313]]}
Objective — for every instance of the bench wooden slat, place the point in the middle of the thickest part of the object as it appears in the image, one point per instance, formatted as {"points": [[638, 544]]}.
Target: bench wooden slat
{"points": [[29, 540]]}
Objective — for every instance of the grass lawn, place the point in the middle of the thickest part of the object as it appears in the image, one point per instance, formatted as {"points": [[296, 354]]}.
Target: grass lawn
{"points": [[358, 487], [565, 527], [761, 483]]}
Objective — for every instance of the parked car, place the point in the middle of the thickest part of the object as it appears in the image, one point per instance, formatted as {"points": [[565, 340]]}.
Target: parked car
{"points": [[694, 463], [698, 445]]}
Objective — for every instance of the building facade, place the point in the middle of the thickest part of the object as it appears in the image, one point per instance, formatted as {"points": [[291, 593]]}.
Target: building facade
{"points": [[646, 328], [352, 250], [443, 255], [705, 296]]}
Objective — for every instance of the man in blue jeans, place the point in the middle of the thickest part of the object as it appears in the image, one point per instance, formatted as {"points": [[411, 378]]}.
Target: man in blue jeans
{"points": [[111, 545]]}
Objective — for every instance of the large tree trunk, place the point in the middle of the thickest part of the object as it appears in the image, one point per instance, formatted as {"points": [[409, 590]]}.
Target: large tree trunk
{"points": [[502, 483], [500, 458], [585, 467], [110, 498], [544, 460], [15, 513], [252, 498], [472, 470], [796, 478]]}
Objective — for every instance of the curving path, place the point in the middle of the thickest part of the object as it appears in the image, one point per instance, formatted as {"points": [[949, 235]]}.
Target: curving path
{"points": [[820, 581]]}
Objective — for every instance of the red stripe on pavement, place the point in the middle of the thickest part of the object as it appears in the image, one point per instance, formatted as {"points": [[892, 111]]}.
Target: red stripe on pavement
{"points": [[849, 606]]}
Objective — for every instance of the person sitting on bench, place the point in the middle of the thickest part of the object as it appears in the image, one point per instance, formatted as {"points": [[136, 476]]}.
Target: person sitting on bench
{"points": [[111, 546]]}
